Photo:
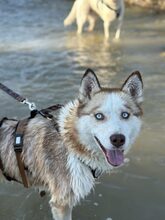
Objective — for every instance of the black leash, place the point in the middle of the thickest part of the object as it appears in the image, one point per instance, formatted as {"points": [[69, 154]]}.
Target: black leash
{"points": [[12, 93], [18, 97], [44, 112]]}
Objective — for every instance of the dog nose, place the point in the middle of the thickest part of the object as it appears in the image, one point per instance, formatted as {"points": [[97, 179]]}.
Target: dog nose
{"points": [[117, 140]]}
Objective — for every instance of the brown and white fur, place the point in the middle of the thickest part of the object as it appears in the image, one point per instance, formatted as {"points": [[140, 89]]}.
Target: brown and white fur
{"points": [[88, 10], [95, 132]]}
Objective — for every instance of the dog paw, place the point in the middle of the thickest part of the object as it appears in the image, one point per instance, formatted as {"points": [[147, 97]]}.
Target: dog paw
{"points": [[66, 22]]}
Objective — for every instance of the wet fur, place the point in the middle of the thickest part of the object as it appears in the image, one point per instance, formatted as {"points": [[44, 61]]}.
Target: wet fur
{"points": [[59, 161]]}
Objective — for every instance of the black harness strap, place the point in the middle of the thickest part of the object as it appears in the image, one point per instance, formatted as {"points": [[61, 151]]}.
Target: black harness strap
{"points": [[117, 11], [18, 146], [1, 164], [2, 120], [46, 113], [96, 173]]}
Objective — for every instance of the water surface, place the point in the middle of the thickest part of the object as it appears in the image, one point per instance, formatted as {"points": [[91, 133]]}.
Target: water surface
{"points": [[45, 62]]}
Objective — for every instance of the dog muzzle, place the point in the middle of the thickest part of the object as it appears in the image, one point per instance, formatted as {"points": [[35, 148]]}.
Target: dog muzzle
{"points": [[114, 157]]}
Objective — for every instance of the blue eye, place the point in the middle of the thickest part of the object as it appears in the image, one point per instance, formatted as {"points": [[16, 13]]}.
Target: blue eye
{"points": [[125, 115], [99, 116]]}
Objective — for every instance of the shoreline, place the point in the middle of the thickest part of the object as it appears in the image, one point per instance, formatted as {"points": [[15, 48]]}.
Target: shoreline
{"points": [[156, 5]]}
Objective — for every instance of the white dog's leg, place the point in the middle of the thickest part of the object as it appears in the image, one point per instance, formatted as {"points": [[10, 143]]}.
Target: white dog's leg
{"points": [[120, 21], [72, 15], [82, 14], [61, 212], [92, 21], [118, 31], [80, 23], [106, 29]]}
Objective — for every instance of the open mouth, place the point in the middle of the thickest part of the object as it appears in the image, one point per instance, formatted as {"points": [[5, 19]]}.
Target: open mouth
{"points": [[115, 157]]}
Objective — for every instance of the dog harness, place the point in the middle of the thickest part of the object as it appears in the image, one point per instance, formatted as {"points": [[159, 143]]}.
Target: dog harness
{"points": [[19, 135], [18, 145], [117, 11], [18, 141]]}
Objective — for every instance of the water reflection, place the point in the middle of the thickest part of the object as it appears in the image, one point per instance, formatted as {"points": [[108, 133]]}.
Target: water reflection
{"points": [[90, 50]]}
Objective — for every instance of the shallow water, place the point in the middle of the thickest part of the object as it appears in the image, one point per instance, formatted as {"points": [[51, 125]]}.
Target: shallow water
{"points": [[44, 62]]}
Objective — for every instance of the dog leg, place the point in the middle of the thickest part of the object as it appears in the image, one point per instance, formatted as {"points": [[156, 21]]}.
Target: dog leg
{"points": [[82, 14], [106, 29], [92, 21], [117, 35], [72, 15], [80, 23], [120, 21], [61, 212]]}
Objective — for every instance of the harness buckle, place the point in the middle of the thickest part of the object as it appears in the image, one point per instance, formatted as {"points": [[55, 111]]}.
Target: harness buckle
{"points": [[46, 115], [18, 142]]}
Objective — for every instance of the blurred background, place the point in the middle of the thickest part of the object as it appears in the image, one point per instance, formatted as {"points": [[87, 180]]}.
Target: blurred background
{"points": [[42, 60]]}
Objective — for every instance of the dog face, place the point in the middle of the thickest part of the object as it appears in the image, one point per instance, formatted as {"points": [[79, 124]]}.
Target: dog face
{"points": [[109, 120]]}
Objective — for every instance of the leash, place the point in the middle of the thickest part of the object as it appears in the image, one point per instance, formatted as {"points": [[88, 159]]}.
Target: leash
{"points": [[32, 107], [18, 97]]}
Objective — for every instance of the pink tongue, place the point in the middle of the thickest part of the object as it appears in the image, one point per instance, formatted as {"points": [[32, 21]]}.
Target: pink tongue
{"points": [[115, 157]]}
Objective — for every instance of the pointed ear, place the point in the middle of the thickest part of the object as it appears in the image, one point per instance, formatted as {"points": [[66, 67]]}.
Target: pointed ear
{"points": [[134, 86], [89, 85]]}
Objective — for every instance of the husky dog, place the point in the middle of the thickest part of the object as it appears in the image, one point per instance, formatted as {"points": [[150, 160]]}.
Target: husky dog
{"points": [[94, 133], [87, 10]]}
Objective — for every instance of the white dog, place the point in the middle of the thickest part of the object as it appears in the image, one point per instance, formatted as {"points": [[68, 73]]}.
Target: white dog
{"points": [[86, 10]]}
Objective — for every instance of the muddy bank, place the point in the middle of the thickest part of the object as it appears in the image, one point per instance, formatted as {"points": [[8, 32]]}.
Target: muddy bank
{"points": [[158, 5]]}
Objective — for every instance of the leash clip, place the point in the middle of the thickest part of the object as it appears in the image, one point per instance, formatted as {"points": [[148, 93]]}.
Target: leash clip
{"points": [[31, 105]]}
